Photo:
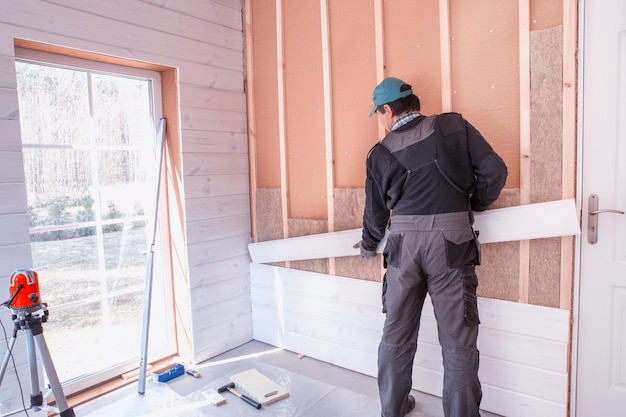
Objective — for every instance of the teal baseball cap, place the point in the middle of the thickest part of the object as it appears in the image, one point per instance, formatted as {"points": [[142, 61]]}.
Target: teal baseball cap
{"points": [[389, 90]]}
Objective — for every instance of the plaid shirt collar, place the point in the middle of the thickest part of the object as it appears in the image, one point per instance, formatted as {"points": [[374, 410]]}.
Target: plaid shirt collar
{"points": [[404, 119]]}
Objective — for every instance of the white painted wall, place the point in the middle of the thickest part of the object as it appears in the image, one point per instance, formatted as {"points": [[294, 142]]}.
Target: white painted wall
{"points": [[203, 39]]}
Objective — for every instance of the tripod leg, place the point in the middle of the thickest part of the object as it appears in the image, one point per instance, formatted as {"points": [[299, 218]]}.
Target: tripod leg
{"points": [[7, 356], [55, 384], [36, 400]]}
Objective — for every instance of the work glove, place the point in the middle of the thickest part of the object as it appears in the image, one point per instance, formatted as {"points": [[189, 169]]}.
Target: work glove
{"points": [[364, 252]]}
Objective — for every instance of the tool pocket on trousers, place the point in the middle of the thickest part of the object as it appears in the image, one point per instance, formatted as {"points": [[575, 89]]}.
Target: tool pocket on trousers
{"points": [[393, 250], [470, 285], [460, 248], [384, 293]]}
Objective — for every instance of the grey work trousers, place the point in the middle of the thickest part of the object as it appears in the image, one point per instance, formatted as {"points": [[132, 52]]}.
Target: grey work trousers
{"points": [[432, 254]]}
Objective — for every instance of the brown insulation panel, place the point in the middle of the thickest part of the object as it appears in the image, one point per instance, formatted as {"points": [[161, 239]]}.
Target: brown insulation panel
{"points": [[546, 150]]}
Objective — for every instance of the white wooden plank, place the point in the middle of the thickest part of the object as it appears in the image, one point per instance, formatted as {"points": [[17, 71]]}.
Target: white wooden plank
{"points": [[12, 198], [205, 274], [215, 207], [222, 337], [12, 258], [142, 14], [212, 11], [220, 311], [215, 250], [7, 72], [215, 120], [11, 136], [212, 98], [214, 185], [532, 221], [338, 320], [220, 290], [214, 163], [11, 166], [214, 229], [8, 104], [214, 142], [14, 229]]}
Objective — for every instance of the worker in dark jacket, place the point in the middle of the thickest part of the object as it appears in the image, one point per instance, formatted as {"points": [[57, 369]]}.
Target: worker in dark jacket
{"points": [[424, 179]]}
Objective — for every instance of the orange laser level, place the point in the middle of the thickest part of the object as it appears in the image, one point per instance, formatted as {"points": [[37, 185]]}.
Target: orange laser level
{"points": [[24, 290]]}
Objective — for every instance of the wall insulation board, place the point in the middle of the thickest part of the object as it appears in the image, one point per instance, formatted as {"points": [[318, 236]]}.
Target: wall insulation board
{"points": [[524, 348], [483, 55]]}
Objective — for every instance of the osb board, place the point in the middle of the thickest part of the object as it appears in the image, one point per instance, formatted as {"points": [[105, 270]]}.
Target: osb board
{"points": [[485, 74], [304, 115], [353, 72]]}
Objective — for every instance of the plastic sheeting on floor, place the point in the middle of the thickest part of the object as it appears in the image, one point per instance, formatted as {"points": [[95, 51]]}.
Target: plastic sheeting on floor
{"points": [[308, 398]]}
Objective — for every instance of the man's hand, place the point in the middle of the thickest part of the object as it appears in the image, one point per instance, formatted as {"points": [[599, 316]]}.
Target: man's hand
{"points": [[364, 252]]}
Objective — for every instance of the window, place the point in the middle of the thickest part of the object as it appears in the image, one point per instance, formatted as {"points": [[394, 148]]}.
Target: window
{"points": [[91, 160]]}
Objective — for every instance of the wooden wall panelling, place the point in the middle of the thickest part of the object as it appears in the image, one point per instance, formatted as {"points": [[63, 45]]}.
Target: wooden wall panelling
{"points": [[210, 73], [280, 71], [338, 320], [328, 123], [525, 155], [570, 33], [251, 114]]}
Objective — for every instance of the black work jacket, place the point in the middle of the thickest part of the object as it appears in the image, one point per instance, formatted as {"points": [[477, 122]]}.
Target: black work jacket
{"points": [[434, 164]]}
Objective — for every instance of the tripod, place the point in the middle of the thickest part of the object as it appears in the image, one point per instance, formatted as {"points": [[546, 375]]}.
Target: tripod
{"points": [[31, 322]]}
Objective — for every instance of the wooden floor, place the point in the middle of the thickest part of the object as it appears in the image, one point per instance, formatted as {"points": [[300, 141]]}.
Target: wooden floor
{"points": [[317, 389]]}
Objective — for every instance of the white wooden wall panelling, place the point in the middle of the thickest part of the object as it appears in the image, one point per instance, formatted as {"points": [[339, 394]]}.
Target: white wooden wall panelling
{"points": [[216, 120], [229, 14], [208, 272], [10, 136], [72, 23], [531, 221], [228, 330], [214, 163], [212, 98], [13, 257], [214, 142], [217, 228], [214, 250], [228, 309], [8, 104], [216, 185], [14, 229], [12, 198], [7, 72], [338, 320], [218, 290], [170, 21], [220, 206], [11, 167], [209, 61]]}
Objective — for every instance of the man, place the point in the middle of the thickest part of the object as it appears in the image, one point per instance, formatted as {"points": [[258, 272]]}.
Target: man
{"points": [[424, 179]]}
